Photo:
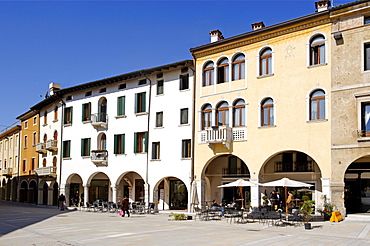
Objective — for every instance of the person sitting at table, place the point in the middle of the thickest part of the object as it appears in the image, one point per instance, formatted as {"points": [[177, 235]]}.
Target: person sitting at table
{"points": [[215, 204], [273, 200], [234, 205]]}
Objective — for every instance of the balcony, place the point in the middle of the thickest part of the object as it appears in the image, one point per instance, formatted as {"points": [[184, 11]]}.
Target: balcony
{"points": [[224, 135], [41, 148], [287, 167], [99, 157], [7, 171], [46, 171], [52, 145], [235, 172], [99, 120]]}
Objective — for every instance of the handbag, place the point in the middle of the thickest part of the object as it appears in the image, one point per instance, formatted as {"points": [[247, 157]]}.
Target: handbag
{"points": [[120, 212]]}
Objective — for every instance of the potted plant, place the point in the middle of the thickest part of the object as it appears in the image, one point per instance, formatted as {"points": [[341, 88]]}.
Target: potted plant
{"points": [[328, 208], [265, 201], [306, 211]]}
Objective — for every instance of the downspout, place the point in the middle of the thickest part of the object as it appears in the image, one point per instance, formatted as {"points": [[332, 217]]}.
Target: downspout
{"points": [[147, 140], [193, 177], [61, 146], [19, 162]]}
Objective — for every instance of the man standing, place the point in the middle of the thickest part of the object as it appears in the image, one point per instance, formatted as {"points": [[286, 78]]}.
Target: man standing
{"points": [[61, 199]]}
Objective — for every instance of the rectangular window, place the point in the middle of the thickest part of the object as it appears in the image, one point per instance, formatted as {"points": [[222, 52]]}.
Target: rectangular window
{"points": [[122, 86], [24, 165], [26, 124], [365, 119], [32, 164], [34, 140], [367, 57], [140, 142], [121, 105], [155, 151], [119, 144], [184, 82], [86, 111], [34, 120], [160, 85], [186, 148], [55, 113], [184, 116], [85, 146], [367, 20], [159, 119], [25, 142], [68, 112], [45, 118], [142, 82], [66, 152], [140, 102]]}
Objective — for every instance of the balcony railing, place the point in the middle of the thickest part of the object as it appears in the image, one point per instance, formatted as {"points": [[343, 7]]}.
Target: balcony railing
{"points": [[99, 157], [217, 134], [41, 147], [99, 120], [52, 145], [7, 171], [235, 172], [294, 166], [46, 171]]}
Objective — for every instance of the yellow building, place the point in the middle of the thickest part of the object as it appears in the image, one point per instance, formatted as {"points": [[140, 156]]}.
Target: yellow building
{"points": [[28, 161], [262, 109]]}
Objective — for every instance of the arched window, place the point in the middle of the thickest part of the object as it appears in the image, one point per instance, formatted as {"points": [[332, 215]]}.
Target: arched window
{"points": [[266, 62], [239, 113], [223, 71], [45, 138], [102, 116], [206, 116], [317, 50], [45, 117], [238, 67], [55, 135], [54, 161], [44, 162], [208, 74], [103, 142], [222, 114], [317, 105], [267, 112], [56, 113]]}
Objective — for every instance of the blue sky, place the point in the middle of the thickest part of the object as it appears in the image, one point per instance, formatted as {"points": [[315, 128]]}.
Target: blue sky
{"points": [[74, 42]]}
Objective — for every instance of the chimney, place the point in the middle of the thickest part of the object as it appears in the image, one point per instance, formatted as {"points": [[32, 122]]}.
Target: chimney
{"points": [[53, 87], [258, 25], [322, 5], [216, 35]]}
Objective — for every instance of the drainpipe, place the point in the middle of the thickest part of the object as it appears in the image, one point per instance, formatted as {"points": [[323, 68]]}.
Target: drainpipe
{"points": [[61, 146], [193, 177], [19, 162]]}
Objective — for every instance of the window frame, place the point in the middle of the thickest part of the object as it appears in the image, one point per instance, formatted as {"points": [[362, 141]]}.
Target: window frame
{"points": [[159, 119], [317, 100], [121, 105], [66, 149], [237, 64], [184, 82], [208, 74], [68, 115], [85, 147], [182, 120], [160, 87], [315, 50], [241, 109], [206, 111], [270, 112], [140, 142], [119, 144], [140, 102], [186, 148], [86, 111], [225, 113], [223, 71], [156, 147], [269, 62]]}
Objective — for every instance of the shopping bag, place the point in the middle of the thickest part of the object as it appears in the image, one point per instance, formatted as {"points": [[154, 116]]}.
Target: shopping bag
{"points": [[120, 212]]}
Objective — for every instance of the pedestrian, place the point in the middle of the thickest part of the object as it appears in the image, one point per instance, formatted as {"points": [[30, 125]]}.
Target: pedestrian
{"points": [[61, 200], [125, 207], [273, 200], [289, 200]]}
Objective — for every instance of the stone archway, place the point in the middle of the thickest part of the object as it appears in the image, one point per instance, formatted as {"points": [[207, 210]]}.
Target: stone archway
{"points": [[132, 186], [23, 192], [32, 192], [170, 193]]}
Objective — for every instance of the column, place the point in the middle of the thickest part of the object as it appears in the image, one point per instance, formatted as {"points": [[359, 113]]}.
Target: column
{"points": [[86, 193], [146, 192], [255, 194], [114, 193], [50, 193]]}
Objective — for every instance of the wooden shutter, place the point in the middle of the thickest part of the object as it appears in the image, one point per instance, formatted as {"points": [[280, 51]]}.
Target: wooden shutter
{"points": [[135, 142]]}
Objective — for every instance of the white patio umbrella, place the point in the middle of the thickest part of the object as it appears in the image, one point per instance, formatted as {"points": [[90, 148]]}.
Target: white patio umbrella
{"points": [[194, 195], [285, 182], [239, 183]]}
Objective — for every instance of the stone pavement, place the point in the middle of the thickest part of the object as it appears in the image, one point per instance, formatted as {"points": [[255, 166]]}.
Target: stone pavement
{"points": [[22, 224]]}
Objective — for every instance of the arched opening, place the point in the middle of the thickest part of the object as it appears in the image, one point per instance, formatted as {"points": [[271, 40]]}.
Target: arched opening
{"points": [[222, 170], [75, 190], [357, 186], [55, 193], [132, 186], [23, 192], [297, 166], [45, 194], [171, 193], [32, 192], [99, 188]]}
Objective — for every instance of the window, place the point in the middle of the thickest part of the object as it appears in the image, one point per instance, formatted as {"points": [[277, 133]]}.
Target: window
{"points": [[365, 119], [140, 102], [208, 74], [186, 148], [223, 71], [239, 113], [367, 20], [222, 114], [24, 165], [55, 135], [184, 119], [45, 118], [266, 62], [159, 119], [317, 50], [122, 86], [66, 152], [68, 98], [184, 81], [33, 161], [140, 142], [34, 138], [267, 114], [367, 57], [86, 111], [121, 105], [25, 142], [26, 124], [45, 138], [56, 113], [88, 93], [102, 90], [54, 161], [142, 82], [160, 84], [238, 67], [317, 105], [155, 151], [85, 146], [119, 144], [34, 120], [68, 115], [206, 116]]}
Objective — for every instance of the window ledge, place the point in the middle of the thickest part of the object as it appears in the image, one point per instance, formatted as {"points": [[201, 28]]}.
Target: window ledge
{"points": [[184, 90], [159, 127], [86, 121], [185, 158], [120, 154], [142, 113], [67, 158], [316, 121], [44, 124], [55, 120], [140, 153], [181, 125], [68, 124], [317, 65], [155, 160], [265, 76], [159, 95], [263, 127], [86, 157], [120, 116]]}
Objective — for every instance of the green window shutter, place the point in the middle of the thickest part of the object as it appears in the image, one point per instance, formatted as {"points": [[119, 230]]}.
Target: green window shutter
{"points": [[65, 116], [71, 114], [89, 111], [146, 141], [122, 143], [136, 103], [121, 105], [144, 102], [115, 144], [69, 148], [83, 112], [88, 146], [82, 147], [135, 142], [181, 86]]}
